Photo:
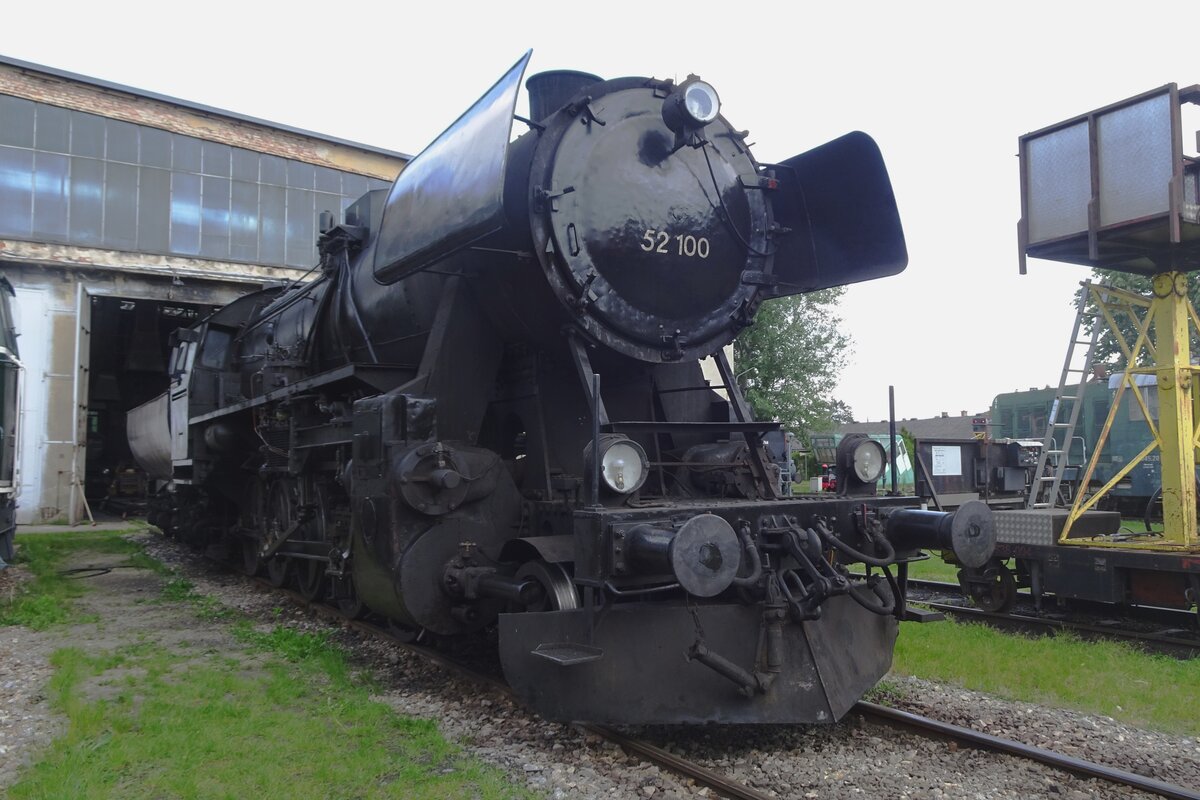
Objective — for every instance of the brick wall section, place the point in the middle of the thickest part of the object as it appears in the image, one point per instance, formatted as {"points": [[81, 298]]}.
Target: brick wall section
{"points": [[130, 107]]}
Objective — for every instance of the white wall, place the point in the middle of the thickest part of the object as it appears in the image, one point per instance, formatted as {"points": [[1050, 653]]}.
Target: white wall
{"points": [[31, 314]]}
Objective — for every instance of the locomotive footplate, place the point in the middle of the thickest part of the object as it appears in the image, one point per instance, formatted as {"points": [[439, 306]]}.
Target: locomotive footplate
{"points": [[645, 676]]}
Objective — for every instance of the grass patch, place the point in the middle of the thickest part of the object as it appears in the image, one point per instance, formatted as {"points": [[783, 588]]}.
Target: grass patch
{"points": [[181, 590], [1109, 678], [170, 725], [46, 600], [276, 714], [311, 651], [933, 569]]}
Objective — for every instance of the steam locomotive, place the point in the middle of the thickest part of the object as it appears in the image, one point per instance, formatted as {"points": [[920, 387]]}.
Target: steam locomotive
{"points": [[488, 411]]}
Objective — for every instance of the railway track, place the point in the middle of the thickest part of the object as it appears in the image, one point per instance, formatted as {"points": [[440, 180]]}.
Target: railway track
{"points": [[1175, 632], [721, 784], [730, 788], [996, 744]]}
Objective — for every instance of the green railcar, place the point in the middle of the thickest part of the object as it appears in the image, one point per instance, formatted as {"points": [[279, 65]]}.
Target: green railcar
{"points": [[1025, 415]]}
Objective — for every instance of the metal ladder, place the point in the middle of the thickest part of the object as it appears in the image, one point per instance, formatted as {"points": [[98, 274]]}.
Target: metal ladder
{"points": [[1043, 491]]}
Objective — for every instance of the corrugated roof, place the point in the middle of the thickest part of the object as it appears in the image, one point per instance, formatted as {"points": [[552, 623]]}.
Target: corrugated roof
{"points": [[956, 427]]}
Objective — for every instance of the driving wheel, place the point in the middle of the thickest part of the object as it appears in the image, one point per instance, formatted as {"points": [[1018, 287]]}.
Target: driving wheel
{"points": [[281, 514], [310, 572]]}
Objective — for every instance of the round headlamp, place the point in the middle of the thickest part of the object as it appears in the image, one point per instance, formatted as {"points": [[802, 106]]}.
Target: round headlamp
{"points": [[691, 106], [869, 461], [623, 463], [701, 102]]}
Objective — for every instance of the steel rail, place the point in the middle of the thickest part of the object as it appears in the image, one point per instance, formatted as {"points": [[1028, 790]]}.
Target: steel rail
{"points": [[728, 787], [1171, 644], [723, 785], [1191, 646], [986, 741], [1162, 615]]}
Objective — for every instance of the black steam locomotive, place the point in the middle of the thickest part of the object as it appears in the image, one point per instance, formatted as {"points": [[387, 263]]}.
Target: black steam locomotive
{"points": [[488, 409]]}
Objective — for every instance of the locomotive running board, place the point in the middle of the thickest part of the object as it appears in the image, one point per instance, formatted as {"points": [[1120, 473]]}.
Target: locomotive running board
{"points": [[644, 677], [568, 654]]}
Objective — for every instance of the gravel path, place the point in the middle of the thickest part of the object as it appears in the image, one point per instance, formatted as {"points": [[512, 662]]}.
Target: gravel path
{"points": [[854, 759], [26, 723]]}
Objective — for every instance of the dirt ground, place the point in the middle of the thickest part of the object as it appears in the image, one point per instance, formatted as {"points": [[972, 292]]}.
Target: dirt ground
{"points": [[122, 604]]}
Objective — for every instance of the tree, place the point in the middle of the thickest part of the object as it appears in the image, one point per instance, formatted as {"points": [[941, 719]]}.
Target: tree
{"points": [[787, 362], [910, 444], [1108, 352]]}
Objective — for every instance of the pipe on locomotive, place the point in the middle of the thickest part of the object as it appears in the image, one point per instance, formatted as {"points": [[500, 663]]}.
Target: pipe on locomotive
{"points": [[969, 532], [704, 554]]}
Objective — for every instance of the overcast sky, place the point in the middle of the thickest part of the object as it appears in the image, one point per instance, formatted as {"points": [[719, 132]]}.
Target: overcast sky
{"points": [[945, 88]]}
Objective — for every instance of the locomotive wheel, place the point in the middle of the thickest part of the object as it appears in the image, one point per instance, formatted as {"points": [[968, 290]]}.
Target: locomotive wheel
{"points": [[993, 587], [278, 568], [310, 579], [251, 563], [558, 591], [348, 601], [254, 519], [310, 573], [404, 633], [281, 514]]}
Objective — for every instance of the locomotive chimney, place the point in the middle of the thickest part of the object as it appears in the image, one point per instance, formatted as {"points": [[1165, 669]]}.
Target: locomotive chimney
{"points": [[550, 91]]}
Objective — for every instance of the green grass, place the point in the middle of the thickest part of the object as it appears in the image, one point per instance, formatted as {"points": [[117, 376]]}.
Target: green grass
{"points": [[181, 590], [311, 651], [186, 728], [278, 714], [1108, 678], [46, 600], [933, 569]]}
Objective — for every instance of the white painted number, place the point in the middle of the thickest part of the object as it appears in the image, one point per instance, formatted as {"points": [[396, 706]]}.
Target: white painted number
{"points": [[685, 244]]}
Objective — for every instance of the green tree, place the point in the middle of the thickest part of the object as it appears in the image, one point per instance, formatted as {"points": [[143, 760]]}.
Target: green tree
{"points": [[788, 361], [910, 444], [1108, 352]]}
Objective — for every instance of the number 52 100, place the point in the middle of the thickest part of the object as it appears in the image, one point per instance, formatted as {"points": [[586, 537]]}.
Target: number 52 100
{"points": [[685, 244]]}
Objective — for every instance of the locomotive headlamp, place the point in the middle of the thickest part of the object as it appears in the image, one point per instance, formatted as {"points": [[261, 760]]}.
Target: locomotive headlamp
{"points": [[701, 102], [623, 463], [690, 107], [860, 463], [869, 461]]}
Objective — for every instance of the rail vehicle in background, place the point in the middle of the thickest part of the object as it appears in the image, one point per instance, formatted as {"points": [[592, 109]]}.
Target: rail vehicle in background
{"points": [[1113, 189], [1025, 415], [998, 466], [998, 472], [10, 421], [488, 409]]}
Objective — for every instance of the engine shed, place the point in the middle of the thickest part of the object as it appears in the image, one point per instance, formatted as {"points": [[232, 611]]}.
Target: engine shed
{"points": [[125, 214]]}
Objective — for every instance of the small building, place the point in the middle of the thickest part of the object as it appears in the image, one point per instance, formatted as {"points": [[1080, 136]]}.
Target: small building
{"points": [[123, 215], [944, 426]]}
